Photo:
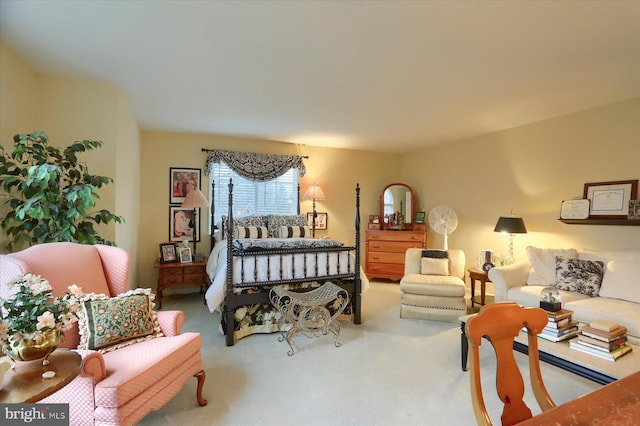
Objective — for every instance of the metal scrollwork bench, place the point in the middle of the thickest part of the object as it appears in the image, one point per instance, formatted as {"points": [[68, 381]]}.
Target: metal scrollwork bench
{"points": [[307, 313]]}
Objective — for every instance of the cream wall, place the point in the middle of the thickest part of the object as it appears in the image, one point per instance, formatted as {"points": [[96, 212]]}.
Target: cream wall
{"points": [[72, 109], [336, 170], [530, 169]]}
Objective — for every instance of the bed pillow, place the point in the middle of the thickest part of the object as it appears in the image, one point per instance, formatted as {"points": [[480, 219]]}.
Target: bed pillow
{"points": [[434, 266], [294, 232], [250, 232], [275, 222], [107, 323], [582, 276], [242, 221], [543, 264], [621, 281]]}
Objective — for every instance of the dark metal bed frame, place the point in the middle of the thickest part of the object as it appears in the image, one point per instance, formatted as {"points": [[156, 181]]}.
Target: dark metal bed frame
{"points": [[351, 282]]}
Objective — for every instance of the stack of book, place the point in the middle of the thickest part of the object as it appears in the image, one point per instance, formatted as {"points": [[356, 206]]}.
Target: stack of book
{"points": [[560, 327], [602, 338]]}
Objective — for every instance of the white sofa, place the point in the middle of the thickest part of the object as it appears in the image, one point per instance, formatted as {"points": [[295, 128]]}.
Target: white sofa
{"points": [[618, 298]]}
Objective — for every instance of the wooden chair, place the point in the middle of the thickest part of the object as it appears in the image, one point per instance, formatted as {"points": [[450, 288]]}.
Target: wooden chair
{"points": [[500, 323]]}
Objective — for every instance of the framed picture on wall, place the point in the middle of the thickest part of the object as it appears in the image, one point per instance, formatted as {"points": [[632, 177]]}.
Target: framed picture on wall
{"points": [[321, 220], [181, 181], [182, 223], [610, 200]]}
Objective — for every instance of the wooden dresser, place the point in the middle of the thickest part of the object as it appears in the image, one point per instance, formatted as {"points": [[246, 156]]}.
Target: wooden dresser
{"points": [[386, 249]]}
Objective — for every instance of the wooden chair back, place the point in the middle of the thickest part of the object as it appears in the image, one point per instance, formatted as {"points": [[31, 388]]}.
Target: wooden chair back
{"points": [[500, 323]]}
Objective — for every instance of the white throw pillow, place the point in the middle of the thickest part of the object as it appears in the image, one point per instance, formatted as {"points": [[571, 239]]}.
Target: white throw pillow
{"points": [[431, 266], [543, 264], [621, 281]]}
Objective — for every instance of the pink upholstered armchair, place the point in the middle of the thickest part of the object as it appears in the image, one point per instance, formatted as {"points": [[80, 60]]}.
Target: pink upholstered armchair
{"points": [[119, 387]]}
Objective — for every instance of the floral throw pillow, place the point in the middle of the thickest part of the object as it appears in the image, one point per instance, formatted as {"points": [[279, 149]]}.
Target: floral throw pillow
{"points": [[582, 276], [108, 323]]}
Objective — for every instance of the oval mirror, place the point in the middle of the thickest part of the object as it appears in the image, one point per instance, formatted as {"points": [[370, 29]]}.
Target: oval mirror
{"points": [[397, 206]]}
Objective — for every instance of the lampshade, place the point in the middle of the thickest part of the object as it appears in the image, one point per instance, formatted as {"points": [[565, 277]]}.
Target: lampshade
{"points": [[314, 192], [195, 198], [510, 225]]}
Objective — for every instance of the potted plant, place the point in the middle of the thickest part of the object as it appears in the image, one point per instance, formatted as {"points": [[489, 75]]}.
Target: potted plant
{"points": [[51, 193], [32, 318]]}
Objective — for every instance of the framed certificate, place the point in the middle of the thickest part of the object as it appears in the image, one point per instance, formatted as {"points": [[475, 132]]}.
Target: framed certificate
{"points": [[610, 200], [574, 209]]}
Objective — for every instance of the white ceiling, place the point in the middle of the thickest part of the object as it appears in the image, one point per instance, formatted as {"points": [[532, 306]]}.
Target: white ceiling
{"points": [[377, 75]]}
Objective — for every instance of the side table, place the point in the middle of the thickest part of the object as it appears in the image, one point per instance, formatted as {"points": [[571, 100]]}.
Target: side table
{"points": [[483, 277], [24, 383], [180, 274]]}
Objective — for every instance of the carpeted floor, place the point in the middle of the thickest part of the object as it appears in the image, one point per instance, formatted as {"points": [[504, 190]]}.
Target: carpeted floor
{"points": [[388, 371]]}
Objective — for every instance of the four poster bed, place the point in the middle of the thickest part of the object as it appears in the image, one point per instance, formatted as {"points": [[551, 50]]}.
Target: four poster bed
{"points": [[254, 254]]}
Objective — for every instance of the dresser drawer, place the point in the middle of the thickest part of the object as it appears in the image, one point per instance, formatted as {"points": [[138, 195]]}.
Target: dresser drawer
{"points": [[192, 270], [391, 246], [171, 272], [395, 236], [385, 257], [193, 279], [170, 279], [385, 269]]}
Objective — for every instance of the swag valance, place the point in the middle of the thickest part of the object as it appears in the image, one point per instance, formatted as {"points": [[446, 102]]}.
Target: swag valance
{"points": [[254, 166]]}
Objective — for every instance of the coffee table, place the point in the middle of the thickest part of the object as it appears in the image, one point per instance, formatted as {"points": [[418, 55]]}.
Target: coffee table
{"points": [[24, 383], [560, 355]]}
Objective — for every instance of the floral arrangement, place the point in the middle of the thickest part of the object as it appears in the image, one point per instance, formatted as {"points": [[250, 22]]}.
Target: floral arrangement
{"points": [[33, 310]]}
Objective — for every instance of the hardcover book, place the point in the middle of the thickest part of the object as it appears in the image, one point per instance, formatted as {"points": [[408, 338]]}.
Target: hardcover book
{"points": [[610, 356]]}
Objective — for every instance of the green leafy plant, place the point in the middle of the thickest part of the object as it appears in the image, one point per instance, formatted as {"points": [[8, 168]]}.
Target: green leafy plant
{"points": [[51, 193]]}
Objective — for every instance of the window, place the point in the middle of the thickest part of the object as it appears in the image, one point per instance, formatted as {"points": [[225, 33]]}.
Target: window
{"points": [[277, 196]]}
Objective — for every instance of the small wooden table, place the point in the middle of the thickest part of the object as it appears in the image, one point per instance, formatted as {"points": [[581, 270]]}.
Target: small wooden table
{"points": [[616, 403], [483, 277], [24, 382], [180, 274]]}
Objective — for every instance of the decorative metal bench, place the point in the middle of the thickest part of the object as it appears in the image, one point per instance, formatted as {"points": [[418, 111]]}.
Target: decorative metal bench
{"points": [[306, 312]]}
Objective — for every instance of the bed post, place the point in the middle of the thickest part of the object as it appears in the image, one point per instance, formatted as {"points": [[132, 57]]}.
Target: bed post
{"points": [[357, 296], [230, 304], [212, 207]]}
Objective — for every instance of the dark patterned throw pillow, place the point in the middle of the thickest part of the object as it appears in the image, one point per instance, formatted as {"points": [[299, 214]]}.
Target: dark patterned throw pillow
{"points": [[582, 276]]}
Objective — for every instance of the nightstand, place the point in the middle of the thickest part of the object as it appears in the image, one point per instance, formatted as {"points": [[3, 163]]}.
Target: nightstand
{"points": [[483, 277], [180, 274]]}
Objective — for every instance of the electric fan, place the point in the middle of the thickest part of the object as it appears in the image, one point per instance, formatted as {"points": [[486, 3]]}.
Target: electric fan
{"points": [[443, 220]]}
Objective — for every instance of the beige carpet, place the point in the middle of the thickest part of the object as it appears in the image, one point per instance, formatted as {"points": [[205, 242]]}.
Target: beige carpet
{"points": [[389, 371]]}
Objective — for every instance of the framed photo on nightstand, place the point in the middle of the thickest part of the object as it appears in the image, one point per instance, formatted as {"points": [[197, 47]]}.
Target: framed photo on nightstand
{"points": [[168, 253], [185, 254]]}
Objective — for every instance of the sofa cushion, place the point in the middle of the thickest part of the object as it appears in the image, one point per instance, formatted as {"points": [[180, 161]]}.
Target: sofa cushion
{"points": [[610, 255], [431, 266], [621, 311], [529, 295], [432, 285], [108, 323], [135, 368], [543, 264], [622, 281], [583, 276]]}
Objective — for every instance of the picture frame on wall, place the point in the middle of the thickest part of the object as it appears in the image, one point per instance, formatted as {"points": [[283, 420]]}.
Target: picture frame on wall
{"points": [[181, 181], [634, 209], [168, 253], [181, 224], [321, 220], [610, 200]]}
